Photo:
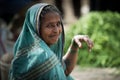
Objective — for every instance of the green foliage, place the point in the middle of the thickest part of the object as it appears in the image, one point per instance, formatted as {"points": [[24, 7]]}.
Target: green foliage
{"points": [[103, 28]]}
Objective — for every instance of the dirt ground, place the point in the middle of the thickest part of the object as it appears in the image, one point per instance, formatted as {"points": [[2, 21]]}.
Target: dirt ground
{"points": [[95, 73]]}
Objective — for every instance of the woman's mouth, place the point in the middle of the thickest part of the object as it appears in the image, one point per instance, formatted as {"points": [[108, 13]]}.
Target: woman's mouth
{"points": [[54, 37]]}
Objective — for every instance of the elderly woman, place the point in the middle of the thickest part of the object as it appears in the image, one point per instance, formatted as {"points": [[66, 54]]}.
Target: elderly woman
{"points": [[38, 52]]}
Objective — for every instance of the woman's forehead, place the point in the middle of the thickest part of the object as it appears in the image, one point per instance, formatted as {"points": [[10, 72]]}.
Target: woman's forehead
{"points": [[51, 16]]}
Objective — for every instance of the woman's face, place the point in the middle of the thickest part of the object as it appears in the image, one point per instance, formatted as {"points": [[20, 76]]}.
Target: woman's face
{"points": [[51, 28]]}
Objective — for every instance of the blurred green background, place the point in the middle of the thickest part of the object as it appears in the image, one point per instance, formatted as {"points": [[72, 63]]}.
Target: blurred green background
{"points": [[103, 28]]}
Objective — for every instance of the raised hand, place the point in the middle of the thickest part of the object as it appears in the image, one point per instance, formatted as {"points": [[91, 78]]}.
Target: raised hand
{"points": [[78, 39]]}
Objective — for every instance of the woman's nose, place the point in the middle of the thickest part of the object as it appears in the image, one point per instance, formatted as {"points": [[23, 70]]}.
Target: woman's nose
{"points": [[56, 28]]}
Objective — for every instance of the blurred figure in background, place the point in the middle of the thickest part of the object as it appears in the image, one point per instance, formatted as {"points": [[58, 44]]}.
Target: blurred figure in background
{"points": [[5, 35], [6, 49], [5, 63]]}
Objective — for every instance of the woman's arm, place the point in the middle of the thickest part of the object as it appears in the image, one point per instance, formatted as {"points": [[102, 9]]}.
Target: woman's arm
{"points": [[70, 57]]}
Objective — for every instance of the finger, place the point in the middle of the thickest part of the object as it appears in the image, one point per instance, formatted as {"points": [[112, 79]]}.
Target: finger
{"points": [[90, 45], [88, 41], [78, 43], [89, 49]]}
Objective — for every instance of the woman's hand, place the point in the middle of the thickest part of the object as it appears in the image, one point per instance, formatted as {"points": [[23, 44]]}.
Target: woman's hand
{"points": [[78, 39]]}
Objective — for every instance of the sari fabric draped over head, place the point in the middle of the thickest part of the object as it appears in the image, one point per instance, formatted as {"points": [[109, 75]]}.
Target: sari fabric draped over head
{"points": [[33, 59]]}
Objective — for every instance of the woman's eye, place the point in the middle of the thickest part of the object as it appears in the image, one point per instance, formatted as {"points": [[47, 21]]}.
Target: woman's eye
{"points": [[50, 26], [59, 24]]}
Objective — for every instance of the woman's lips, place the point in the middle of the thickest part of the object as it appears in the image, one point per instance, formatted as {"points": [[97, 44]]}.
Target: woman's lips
{"points": [[54, 36]]}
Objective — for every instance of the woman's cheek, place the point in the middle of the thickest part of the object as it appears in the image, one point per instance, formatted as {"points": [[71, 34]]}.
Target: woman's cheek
{"points": [[60, 29]]}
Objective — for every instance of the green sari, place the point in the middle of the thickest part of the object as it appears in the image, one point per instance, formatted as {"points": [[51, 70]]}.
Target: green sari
{"points": [[33, 58]]}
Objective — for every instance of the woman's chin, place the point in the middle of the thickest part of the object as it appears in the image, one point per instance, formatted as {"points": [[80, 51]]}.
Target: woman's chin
{"points": [[53, 42]]}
